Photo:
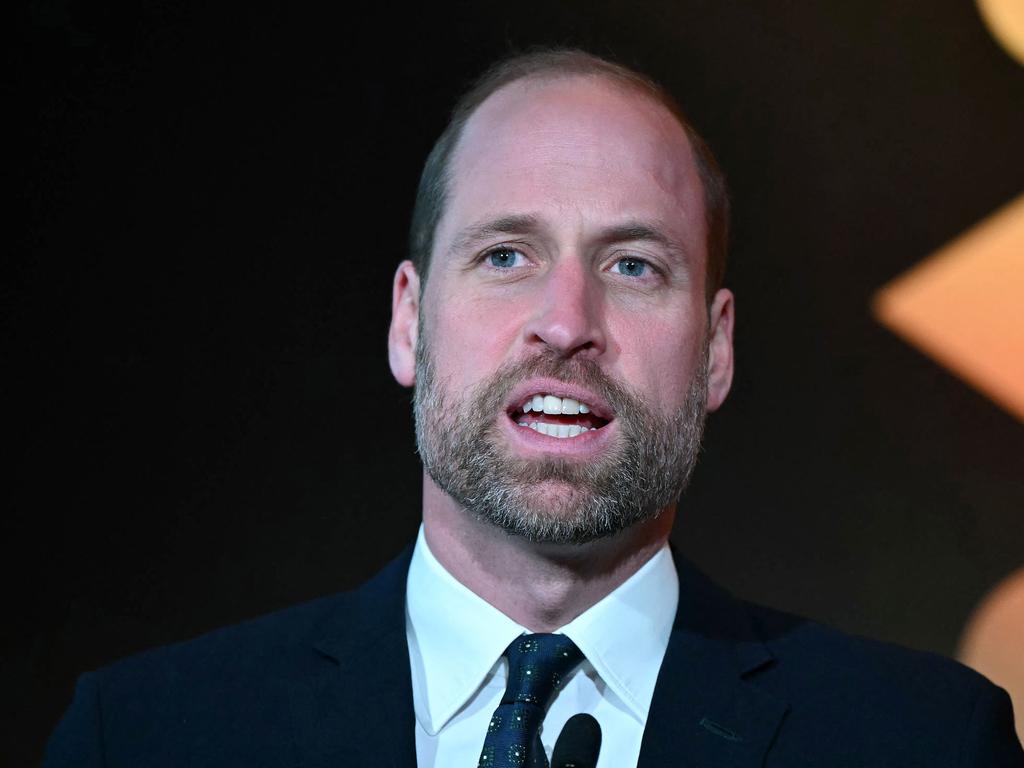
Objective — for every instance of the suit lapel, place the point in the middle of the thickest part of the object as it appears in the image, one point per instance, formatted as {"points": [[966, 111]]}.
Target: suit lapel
{"points": [[354, 706], [707, 709], [352, 703]]}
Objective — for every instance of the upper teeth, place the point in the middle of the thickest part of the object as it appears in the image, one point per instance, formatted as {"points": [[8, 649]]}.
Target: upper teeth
{"points": [[554, 405]]}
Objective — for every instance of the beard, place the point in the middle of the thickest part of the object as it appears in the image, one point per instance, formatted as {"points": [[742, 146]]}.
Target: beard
{"points": [[553, 499]]}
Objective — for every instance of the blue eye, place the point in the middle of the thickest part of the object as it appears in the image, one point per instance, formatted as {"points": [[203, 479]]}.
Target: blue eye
{"points": [[504, 257], [631, 267]]}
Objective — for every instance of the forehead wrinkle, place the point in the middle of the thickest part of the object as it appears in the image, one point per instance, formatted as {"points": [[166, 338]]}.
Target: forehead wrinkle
{"points": [[671, 185]]}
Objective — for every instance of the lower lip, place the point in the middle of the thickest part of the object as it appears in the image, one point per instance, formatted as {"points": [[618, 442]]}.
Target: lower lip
{"points": [[590, 442]]}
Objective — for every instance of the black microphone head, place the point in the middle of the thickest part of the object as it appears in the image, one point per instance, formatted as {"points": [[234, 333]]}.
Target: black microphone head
{"points": [[578, 744]]}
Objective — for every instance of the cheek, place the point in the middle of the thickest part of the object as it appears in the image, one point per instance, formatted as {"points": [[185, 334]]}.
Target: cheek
{"points": [[661, 360], [469, 339]]}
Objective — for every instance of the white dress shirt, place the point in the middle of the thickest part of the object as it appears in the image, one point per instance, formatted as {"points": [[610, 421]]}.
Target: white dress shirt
{"points": [[456, 642]]}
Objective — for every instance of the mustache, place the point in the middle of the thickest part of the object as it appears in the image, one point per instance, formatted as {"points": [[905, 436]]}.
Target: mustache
{"points": [[583, 372]]}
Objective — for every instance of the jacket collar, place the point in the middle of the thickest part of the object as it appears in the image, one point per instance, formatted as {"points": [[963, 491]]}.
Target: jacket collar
{"points": [[355, 703]]}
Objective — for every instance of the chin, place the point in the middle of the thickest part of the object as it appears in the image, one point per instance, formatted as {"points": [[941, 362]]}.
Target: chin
{"points": [[554, 512]]}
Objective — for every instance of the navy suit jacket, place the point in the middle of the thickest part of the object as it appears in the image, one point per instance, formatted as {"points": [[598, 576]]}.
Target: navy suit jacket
{"points": [[328, 684]]}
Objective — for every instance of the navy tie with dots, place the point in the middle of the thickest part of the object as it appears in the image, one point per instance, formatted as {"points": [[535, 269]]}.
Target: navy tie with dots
{"points": [[537, 664]]}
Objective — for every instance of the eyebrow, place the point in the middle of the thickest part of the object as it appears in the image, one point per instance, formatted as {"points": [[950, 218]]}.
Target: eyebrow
{"points": [[521, 224], [643, 232]]}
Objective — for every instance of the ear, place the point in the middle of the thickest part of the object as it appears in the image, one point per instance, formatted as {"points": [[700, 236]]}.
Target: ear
{"points": [[404, 330], [720, 351]]}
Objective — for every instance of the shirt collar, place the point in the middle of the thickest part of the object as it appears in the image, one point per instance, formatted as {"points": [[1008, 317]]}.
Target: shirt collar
{"points": [[625, 635], [456, 637]]}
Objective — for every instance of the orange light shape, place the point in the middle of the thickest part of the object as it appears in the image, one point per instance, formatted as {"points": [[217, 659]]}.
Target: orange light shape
{"points": [[964, 306], [1005, 20]]}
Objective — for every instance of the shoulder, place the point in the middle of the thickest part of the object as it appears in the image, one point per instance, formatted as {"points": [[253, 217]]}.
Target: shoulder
{"points": [[252, 645], [898, 700], [839, 699], [815, 650], [237, 685], [798, 658], [276, 645]]}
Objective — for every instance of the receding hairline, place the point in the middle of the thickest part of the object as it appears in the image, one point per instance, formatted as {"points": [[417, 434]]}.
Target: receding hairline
{"points": [[537, 81], [626, 82]]}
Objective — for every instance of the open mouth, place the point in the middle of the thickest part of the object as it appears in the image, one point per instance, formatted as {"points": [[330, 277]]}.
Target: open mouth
{"points": [[561, 417]]}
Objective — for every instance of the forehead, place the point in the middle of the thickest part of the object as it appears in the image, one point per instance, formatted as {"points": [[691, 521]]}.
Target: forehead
{"points": [[580, 148]]}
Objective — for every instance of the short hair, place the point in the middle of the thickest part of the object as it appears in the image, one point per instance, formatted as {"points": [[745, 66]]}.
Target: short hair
{"points": [[432, 193]]}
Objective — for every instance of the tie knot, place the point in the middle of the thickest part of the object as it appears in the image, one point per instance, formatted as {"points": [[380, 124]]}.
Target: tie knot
{"points": [[537, 664]]}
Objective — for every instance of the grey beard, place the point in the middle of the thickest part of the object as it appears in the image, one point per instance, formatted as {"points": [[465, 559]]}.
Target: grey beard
{"points": [[459, 443]]}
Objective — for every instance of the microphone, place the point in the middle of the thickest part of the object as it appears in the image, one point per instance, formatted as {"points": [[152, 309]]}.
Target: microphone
{"points": [[578, 743]]}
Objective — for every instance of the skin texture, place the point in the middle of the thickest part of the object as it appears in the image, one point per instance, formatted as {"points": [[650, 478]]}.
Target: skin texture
{"points": [[592, 174]]}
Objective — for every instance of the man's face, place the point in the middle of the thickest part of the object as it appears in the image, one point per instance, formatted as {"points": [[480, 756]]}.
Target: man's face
{"points": [[568, 275]]}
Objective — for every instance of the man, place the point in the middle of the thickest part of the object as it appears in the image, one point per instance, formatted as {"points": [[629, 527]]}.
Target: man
{"points": [[564, 324]]}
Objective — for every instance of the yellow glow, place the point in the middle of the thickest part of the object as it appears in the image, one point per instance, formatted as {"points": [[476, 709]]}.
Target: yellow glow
{"points": [[964, 306], [994, 637], [1005, 20]]}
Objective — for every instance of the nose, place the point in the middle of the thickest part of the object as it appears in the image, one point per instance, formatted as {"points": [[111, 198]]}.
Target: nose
{"points": [[569, 316]]}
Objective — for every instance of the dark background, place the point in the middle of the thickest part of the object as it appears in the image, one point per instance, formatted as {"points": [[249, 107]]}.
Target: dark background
{"points": [[209, 207]]}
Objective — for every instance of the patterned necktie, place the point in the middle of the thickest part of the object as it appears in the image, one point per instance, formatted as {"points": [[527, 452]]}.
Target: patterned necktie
{"points": [[537, 665]]}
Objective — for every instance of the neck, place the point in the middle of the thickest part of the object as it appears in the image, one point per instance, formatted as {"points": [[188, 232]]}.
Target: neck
{"points": [[539, 585]]}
